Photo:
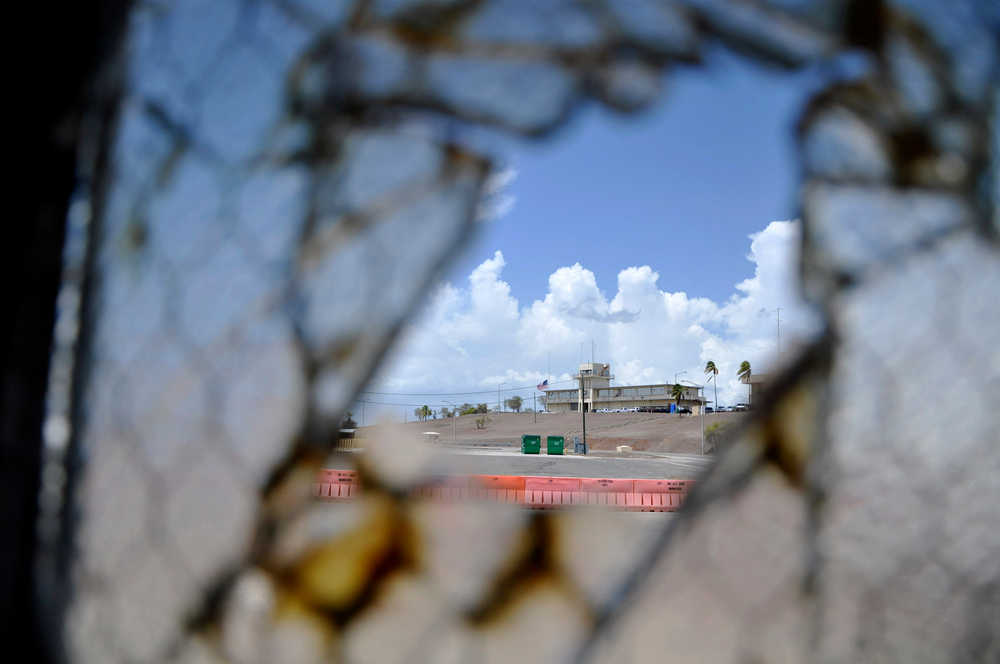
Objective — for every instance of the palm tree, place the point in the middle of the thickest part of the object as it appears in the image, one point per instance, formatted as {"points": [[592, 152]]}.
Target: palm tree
{"points": [[744, 375], [677, 392], [712, 371]]}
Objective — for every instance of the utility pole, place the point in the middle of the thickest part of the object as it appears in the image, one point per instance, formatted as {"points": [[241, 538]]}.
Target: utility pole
{"points": [[583, 413], [534, 407], [454, 416], [702, 421], [715, 384]]}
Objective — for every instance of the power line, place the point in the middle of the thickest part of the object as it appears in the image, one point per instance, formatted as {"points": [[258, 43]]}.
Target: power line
{"points": [[388, 403], [454, 394], [428, 402]]}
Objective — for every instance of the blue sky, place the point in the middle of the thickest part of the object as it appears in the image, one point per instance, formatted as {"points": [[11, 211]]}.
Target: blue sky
{"points": [[659, 236], [682, 184]]}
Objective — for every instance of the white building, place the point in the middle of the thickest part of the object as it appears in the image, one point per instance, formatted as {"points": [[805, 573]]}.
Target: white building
{"points": [[758, 384], [595, 392]]}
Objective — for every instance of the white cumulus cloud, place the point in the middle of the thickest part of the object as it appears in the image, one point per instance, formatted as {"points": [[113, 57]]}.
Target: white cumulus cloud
{"points": [[477, 335]]}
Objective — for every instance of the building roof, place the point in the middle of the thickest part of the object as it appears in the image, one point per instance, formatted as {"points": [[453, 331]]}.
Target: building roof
{"points": [[625, 387], [667, 385]]}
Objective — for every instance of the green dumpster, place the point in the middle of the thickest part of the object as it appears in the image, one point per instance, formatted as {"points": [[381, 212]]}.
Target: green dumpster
{"points": [[555, 444], [531, 444]]}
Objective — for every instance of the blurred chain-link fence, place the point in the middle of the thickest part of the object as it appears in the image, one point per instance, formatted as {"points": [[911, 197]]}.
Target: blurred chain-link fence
{"points": [[285, 180]]}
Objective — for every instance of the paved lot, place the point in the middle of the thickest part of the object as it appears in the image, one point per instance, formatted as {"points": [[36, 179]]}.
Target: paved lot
{"points": [[506, 462], [674, 466]]}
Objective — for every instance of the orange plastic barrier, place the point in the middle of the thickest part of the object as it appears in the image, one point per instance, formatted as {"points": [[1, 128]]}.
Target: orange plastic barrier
{"points": [[515, 482], [641, 495], [655, 502], [607, 486], [333, 491], [337, 484], [497, 488], [663, 486], [605, 491], [338, 476], [551, 483], [547, 492]]}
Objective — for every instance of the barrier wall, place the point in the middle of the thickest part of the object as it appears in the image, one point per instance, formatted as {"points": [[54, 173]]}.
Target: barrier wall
{"points": [[530, 491]]}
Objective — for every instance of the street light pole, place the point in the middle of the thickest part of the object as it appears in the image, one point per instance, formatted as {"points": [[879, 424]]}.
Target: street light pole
{"points": [[715, 384], [702, 421], [701, 401], [676, 374]]}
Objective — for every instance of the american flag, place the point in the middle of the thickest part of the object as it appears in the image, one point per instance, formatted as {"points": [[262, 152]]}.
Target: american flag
{"points": [[544, 385]]}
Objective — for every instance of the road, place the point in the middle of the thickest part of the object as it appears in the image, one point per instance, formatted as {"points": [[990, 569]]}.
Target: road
{"points": [[499, 461], [673, 466]]}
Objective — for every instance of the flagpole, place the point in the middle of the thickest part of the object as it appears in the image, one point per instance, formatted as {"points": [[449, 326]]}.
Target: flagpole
{"points": [[583, 413]]}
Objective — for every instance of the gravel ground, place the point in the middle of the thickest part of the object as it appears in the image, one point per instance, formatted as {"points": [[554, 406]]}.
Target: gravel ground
{"points": [[651, 432]]}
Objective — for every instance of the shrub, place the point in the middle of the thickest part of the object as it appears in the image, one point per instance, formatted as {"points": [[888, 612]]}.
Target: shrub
{"points": [[718, 435]]}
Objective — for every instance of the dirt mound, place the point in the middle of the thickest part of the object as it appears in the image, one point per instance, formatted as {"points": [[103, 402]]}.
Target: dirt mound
{"points": [[610, 443]]}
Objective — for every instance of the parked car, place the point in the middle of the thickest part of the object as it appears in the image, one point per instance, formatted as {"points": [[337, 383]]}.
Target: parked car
{"points": [[709, 409], [684, 411]]}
